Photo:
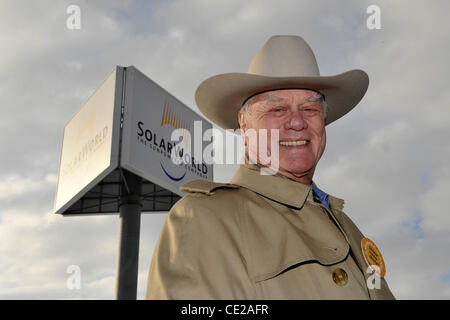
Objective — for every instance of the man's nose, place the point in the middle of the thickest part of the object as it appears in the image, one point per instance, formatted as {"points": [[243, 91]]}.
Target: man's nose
{"points": [[296, 121]]}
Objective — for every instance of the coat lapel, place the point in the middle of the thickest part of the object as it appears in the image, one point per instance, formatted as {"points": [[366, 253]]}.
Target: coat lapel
{"points": [[354, 237]]}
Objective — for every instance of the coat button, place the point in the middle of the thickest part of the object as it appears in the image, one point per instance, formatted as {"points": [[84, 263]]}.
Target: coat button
{"points": [[340, 277]]}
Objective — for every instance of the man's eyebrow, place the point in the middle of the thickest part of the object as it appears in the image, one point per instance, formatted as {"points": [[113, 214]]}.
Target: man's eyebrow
{"points": [[312, 98], [274, 98], [315, 97], [279, 99]]}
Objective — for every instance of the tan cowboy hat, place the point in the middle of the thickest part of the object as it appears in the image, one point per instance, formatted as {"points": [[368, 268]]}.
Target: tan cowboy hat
{"points": [[284, 62]]}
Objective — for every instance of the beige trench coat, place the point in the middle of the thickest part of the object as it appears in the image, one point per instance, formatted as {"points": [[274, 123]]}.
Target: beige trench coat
{"points": [[258, 237]]}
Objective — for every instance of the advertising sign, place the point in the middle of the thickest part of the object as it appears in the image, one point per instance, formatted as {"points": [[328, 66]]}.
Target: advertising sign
{"points": [[151, 115], [90, 143], [128, 123]]}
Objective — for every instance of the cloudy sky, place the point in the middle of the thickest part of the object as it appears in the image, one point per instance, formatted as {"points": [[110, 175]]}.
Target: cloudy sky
{"points": [[388, 158]]}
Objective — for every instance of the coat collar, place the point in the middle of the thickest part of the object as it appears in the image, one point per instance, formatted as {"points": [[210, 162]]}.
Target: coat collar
{"points": [[277, 187]]}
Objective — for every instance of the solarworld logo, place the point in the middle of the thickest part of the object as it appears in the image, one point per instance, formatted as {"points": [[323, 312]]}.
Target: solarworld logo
{"points": [[173, 150]]}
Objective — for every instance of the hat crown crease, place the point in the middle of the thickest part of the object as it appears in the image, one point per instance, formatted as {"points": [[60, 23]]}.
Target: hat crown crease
{"points": [[285, 56]]}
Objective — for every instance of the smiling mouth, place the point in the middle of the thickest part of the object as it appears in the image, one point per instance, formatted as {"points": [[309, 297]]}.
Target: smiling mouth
{"points": [[294, 143]]}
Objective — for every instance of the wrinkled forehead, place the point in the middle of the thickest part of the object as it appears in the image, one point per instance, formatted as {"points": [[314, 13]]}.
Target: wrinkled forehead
{"points": [[286, 94]]}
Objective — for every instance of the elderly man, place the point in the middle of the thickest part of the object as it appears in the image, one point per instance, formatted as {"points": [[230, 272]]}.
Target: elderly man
{"points": [[270, 236]]}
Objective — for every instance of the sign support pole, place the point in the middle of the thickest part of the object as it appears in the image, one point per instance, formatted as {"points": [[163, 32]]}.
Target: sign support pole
{"points": [[129, 229]]}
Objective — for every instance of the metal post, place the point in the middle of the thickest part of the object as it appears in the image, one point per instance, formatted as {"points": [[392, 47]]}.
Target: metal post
{"points": [[129, 228]]}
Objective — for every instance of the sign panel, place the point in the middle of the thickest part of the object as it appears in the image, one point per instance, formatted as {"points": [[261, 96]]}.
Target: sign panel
{"points": [[90, 149], [151, 115]]}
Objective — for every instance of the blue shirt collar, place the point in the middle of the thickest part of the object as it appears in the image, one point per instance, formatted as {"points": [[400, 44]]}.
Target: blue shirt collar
{"points": [[320, 196]]}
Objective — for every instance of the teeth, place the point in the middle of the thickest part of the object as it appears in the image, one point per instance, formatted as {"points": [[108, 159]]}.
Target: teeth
{"points": [[293, 143]]}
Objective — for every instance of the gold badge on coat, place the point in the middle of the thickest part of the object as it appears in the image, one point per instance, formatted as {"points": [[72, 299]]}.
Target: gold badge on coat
{"points": [[373, 256]]}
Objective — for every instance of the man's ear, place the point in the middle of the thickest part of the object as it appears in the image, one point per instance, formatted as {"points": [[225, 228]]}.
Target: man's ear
{"points": [[242, 122], [242, 127]]}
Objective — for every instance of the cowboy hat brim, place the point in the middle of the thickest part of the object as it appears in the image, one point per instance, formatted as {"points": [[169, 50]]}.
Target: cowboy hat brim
{"points": [[221, 97]]}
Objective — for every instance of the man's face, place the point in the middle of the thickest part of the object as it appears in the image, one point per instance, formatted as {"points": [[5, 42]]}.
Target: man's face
{"points": [[299, 118]]}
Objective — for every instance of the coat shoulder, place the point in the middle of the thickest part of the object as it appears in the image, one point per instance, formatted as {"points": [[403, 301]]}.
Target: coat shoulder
{"points": [[206, 187], [205, 198]]}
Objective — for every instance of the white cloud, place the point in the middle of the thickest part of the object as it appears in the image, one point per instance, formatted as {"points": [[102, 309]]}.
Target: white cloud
{"points": [[432, 206], [15, 185]]}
